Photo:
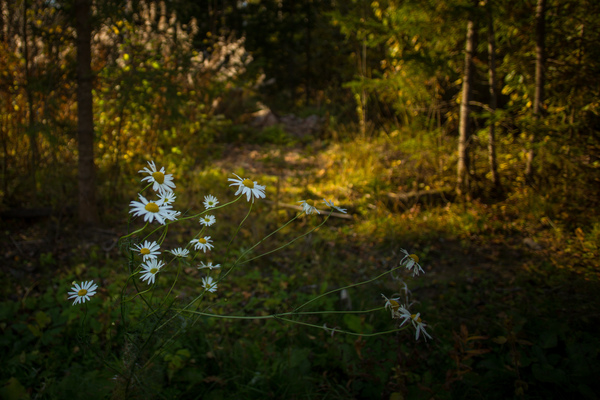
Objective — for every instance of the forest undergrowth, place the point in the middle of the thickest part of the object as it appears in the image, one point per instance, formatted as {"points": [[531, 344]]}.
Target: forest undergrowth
{"points": [[509, 290]]}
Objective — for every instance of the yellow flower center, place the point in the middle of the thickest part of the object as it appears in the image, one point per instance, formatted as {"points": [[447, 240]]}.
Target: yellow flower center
{"points": [[415, 318], [144, 251], [248, 183], [152, 207], [82, 292], [158, 177], [153, 271], [414, 257], [394, 304], [202, 240]]}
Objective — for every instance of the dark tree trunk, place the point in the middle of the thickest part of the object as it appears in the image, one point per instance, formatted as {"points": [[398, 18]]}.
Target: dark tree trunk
{"points": [[308, 50], [493, 97], [88, 212], [462, 179], [540, 67], [31, 133]]}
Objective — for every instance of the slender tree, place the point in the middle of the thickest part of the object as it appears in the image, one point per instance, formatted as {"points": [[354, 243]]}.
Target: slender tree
{"points": [[540, 66], [88, 211], [31, 133], [462, 179], [493, 103]]}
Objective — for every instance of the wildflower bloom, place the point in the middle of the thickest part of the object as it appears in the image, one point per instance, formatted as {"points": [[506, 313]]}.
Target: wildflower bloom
{"points": [[171, 214], [209, 284], [180, 252], [416, 321], [208, 220], [392, 304], [152, 210], [147, 250], [161, 182], [249, 188], [210, 201], [202, 243], [167, 197], [411, 262], [150, 269], [308, 206], [82, 293], [209, 266], [330, 204]]}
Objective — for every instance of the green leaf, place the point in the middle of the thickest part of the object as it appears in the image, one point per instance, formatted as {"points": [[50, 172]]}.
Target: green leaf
{"points": [[184, 353], [14, 390], [42, 319], [356, 324], [35, 330], [547, 373]]}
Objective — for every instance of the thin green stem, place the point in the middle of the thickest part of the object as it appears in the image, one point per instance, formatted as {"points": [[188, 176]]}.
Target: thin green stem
{"points": [[281, 317], [190, 217], [163, 235], [290, 313], [239, 226], [335, 330], [284, 245], [345, 287], [134, 232], [143, 346]]}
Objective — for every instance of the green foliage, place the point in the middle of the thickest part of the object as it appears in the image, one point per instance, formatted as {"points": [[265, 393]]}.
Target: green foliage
{"points": [[508, 318]]}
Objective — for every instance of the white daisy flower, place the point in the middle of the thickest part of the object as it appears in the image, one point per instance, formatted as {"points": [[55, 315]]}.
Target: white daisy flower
{"points": [[416, 321], [209, 266], [330, 204], [208, 220], [150, 269], [171, 214], [411, 262], [210, 201], [147, 250], [180, 252], [308, 206], [209, 284], [202, 243], [160, 182], [249, 188], [392, 304], [167, 197], [152, 210], [82, 293]]}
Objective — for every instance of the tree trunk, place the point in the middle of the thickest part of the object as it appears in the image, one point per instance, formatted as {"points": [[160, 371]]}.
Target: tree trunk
{"points": [[31, 133], [540, 66], [308, 50], [88, 212], [493, 98], [462, 179]]}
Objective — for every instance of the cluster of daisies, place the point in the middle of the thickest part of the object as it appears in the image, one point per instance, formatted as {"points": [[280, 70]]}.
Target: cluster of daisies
{"points": [[149, 251], [160, 209], [401, 311]]}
